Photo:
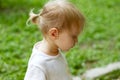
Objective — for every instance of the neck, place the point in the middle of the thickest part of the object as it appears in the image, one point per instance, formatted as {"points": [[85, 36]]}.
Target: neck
{"points": [[49, 47]]}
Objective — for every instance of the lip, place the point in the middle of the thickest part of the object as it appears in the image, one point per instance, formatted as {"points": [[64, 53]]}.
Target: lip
{"points": [[73, 45]]}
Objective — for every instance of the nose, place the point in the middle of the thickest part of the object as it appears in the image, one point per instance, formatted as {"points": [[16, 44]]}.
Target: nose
{"points": [[76, 40]]}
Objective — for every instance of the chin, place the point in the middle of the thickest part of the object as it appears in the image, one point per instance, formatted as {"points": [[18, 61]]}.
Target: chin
{"points": [[65, 49]]}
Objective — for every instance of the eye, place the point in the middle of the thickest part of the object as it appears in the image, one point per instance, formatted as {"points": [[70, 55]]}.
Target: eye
{"points": [[74, 36]]}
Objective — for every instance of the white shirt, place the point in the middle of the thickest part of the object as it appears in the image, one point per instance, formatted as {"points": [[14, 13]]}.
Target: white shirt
{"points": [[44, 67]]}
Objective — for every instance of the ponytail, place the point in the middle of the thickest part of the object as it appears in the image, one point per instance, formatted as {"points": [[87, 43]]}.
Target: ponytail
{"points": [[34, 18]]}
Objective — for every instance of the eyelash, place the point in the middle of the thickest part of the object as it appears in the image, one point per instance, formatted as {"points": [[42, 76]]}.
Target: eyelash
{"points": [[74, 37]]}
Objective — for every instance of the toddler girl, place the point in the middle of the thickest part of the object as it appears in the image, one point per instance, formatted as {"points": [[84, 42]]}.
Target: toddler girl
{"points": [[60, 23]]}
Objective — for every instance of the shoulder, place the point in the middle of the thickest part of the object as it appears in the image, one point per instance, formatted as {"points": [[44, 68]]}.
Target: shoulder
{"points": [[37, 58]]}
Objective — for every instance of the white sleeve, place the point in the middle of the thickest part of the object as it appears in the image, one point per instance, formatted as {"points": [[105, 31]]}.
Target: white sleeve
{"points": [[35, 73]]}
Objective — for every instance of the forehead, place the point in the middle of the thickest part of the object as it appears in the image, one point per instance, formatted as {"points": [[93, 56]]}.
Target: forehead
{"points": [[73, 29]]}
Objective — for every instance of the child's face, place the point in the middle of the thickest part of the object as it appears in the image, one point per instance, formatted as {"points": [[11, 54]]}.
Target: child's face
{"points": [[67, 39]]}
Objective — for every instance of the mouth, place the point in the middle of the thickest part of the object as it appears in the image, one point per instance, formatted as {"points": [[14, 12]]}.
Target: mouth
{"points": [[73, 45]]}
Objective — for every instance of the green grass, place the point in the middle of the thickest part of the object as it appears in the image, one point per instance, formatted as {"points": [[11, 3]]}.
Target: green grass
{"points": [[99, 44]]}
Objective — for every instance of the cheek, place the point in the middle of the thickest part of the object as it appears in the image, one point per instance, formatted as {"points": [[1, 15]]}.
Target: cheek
{"points": [[65, 42], [68, 43]]}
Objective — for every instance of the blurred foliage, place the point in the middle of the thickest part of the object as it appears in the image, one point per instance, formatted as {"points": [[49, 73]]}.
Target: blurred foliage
{"points": [[99, 43]]}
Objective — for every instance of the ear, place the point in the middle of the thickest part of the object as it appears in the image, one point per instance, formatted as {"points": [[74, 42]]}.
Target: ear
{"points": [[53, 33]]}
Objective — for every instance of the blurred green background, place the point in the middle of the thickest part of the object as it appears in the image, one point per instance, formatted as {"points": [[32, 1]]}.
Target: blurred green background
{"points": [[99, 44]]}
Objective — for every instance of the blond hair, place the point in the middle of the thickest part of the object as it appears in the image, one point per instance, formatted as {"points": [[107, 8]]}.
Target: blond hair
{"points": [[59, 14]]}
